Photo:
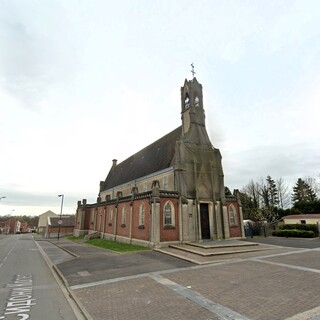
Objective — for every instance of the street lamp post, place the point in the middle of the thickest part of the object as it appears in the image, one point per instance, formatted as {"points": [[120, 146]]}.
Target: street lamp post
{"points": [[60, 221], [2, 198]]}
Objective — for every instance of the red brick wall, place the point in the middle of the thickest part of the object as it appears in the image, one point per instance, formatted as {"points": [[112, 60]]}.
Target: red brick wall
{"points": [[123, 231], [63, 230], [87, 219], [102, 222], [235, 231], [91, 219], [100, 219], [169, 234], [142, 234], [109, 228]]}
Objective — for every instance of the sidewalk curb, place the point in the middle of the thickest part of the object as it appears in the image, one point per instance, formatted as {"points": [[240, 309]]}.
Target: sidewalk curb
{"points": [[71, 293], [64, 249], [63, 284]]}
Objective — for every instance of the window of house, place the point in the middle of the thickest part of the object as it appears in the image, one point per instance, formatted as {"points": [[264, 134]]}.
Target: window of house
{"points": [[233, 216], [124, 217], [92, 216], [141, 215], [168, 214], [165, 183], [303, 221]]}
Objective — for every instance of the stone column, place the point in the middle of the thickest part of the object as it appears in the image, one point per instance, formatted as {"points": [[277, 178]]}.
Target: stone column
{"points": [[131, 224], [218, 215], [155, 228], [226, 222], [155, 209], [241, 222]]}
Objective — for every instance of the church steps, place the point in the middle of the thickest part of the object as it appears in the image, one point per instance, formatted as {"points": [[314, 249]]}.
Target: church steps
{"points": [[201, 256], [215, 251], [232, 243], [184, 255]]}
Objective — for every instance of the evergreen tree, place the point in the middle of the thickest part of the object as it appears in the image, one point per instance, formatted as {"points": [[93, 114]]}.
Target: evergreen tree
{"points": [[269, 194], [302, 192], [272, 192]]}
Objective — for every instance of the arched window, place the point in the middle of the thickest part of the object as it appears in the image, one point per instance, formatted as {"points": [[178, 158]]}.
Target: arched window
{"points": [[168, 214], [124, 217], [186, 101], [141, 215], [233, 215], [196, 102], [165, 183]]}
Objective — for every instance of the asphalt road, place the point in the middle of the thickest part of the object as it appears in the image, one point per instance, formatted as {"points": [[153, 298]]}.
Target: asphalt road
{"points": [[28, 290]]}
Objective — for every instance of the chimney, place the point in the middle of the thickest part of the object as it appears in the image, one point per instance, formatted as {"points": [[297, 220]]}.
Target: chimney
{"points": [[114, 162]]}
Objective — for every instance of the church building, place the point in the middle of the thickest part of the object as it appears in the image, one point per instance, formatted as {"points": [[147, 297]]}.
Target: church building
{"points": [[172, 191]]}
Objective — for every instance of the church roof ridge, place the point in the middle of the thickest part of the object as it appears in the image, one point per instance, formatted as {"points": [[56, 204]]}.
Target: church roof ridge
{"points": [[153, 158]]}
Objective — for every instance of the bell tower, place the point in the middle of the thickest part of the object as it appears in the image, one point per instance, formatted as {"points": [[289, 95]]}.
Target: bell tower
{"points": [[192, 111], [199, 173]]}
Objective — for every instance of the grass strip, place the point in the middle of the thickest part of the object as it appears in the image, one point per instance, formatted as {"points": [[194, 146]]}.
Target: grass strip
{"points": [[115, 246], [73, 238]]}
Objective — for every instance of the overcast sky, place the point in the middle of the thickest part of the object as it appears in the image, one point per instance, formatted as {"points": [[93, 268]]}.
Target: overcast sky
{"points": [[85, 82]]}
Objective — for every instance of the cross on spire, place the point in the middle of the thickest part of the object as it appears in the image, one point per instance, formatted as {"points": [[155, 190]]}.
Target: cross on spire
{"points": [[192, 71]]}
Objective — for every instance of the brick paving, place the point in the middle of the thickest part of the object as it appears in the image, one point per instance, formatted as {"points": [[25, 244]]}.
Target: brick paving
{"points": [[260, 292], [139, 299], [307, 259], [279, 284]]}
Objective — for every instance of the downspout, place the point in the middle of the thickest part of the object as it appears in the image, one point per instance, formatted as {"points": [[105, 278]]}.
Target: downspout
{"points": [[131, 224], [105, 219], [95, 219], [180, 221], [214, 212], [150, 221], [199, 234]]}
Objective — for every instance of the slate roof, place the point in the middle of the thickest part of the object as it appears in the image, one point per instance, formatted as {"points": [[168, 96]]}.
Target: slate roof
{"points": [[66, 221], [156, 157], [303, 216]]}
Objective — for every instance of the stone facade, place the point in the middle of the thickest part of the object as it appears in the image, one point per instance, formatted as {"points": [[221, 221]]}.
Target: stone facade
{"points": [[171, 191]]}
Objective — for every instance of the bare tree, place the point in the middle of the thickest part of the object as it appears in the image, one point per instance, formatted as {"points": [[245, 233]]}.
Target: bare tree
{"points": [[252, 191], [314, 183], [284, 195]]}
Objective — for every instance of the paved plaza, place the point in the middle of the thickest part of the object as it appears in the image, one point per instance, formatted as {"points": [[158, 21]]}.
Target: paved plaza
{"points": [[278, 283]]}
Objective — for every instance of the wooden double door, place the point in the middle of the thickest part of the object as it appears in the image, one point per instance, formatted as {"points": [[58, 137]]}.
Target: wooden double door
{"points": [[204, 221]]}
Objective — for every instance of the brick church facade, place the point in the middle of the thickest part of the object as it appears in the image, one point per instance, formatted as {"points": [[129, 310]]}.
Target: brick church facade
{"points": [[172, 191]]}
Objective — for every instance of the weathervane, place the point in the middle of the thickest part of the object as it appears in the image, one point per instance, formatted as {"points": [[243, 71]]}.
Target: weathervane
{"points": [[192, 71]]}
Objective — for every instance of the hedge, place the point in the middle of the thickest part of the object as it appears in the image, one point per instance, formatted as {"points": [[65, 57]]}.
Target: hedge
{"points": [[294, 233], [307, 227]]}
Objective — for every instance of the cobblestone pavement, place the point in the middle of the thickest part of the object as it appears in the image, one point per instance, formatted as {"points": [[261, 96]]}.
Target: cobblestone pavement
{"points": [[276, 284]]}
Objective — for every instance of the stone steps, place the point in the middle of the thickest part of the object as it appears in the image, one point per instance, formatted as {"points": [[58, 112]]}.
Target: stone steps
{"points": [[206, 252], [212, 251]]}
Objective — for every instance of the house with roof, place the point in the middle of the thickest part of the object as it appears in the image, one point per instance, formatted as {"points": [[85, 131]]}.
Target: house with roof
{"points": [[172, 191], [61, 226], [9, 226], [311, 218], [43, 219]]}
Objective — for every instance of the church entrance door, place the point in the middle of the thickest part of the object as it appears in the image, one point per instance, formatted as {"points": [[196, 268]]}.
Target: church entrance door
{"points": [[204, 218]]}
